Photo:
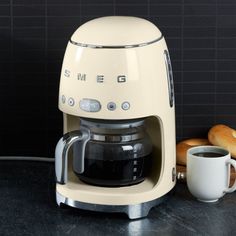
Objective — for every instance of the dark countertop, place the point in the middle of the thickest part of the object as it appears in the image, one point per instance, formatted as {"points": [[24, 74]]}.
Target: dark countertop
{"points": [[28, 207]]}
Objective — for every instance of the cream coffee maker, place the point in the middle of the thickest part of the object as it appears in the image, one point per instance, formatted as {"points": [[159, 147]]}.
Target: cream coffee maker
{"points": [[117, 98]]}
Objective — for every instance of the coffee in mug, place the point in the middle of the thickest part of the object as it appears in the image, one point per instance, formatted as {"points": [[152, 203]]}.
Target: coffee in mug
{"points": [[208, 154]]}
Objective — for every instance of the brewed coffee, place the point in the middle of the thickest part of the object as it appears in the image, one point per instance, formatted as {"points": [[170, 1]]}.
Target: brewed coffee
{"points": [[208, 154], [116, 173]]}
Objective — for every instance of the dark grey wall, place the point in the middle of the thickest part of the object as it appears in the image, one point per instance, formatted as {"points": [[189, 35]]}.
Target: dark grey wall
{"points": [[201, 35]]}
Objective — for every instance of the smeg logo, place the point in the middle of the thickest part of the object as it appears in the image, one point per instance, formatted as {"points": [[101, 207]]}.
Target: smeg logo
{"points": [[99, 78], [119, 79]]}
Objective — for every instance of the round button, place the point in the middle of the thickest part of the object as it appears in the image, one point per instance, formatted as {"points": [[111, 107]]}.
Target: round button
{"points": [[125, 106], [63, 99], [71, 102], [111, 106]]}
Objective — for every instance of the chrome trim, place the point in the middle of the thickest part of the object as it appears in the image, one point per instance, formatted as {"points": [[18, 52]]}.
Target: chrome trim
{"points": [[134, 211], [117, 138], [169, 77], [68, 139], [111, 124], [115, 47]]}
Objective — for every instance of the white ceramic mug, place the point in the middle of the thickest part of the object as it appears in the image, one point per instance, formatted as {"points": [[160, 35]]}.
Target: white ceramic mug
{"points": [[208, 177]]}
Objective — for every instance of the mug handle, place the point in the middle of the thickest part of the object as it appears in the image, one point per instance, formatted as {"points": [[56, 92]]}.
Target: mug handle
{"points": [[61, 152], [233, 188]]}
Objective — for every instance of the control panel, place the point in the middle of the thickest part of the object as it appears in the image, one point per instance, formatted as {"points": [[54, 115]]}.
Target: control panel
{"points": [[93, 105]]}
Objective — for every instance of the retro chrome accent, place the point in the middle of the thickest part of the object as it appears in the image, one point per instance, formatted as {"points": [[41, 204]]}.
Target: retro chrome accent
{"points": [[133, 211], [116, 47]]}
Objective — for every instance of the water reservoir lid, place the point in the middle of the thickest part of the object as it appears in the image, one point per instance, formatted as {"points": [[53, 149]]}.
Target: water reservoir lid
{"points": [[116, 31]]}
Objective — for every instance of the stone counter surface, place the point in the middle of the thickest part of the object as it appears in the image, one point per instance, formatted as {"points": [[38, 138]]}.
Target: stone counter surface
{"points": [[28, 207]]}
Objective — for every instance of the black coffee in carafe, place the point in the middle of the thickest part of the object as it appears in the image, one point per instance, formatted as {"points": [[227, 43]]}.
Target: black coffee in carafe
{"points": [[119, 153]]}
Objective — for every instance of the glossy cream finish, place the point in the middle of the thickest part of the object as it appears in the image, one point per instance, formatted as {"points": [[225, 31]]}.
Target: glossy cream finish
{"points": [[146, 89], [116, 31]]}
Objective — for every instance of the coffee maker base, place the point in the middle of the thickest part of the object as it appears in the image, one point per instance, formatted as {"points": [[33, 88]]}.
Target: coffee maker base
{"points": [[135, 211]]}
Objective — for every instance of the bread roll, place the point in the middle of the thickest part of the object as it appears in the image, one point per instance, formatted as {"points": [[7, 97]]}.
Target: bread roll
{"points": [[183, 146], [223, 136]]}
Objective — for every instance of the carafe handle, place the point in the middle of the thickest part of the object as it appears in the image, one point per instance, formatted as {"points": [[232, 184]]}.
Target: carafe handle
{"points": [[61, 153]]}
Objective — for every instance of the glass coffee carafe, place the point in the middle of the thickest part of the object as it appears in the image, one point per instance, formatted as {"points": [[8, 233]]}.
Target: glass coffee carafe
{"points": [[110, 153]]}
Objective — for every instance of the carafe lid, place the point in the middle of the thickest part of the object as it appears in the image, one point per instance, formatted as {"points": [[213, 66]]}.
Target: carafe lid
{"points": [[116, 31], [111, 124]]}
